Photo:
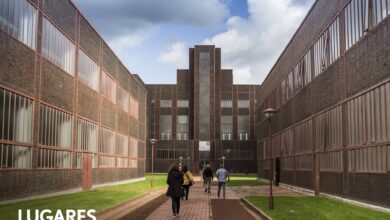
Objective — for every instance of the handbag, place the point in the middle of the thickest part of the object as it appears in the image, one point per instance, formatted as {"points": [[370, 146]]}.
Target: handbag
{"points": [[191, 183]]}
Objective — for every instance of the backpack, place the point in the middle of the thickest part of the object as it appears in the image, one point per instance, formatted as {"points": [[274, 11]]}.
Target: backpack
{"points": [[191, 183]]}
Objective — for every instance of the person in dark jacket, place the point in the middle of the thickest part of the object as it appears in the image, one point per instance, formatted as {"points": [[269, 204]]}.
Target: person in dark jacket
{"points": [[175, 191], [207, 177]]}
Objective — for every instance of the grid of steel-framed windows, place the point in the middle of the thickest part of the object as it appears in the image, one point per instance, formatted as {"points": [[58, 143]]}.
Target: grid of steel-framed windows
{"points": [[287, 163], [226, 103], [286, 87], [108, 87], [356, 21], [327, 48], [87, 135], [303, 137], [106, 162], [79, 160], [226, 127], [165, 127], [134, 108], [369, 117], [123, 99], [182, 103], [204, 96], [329, 129], [243, 104], [16, 116], [13, 156], [55, 127], [106, 141], [88, 72], [369, 159], [57, 48], [302, 72], [133, 148], [380, 9], [243, 127], [287, 142], [122, 162], [331, 161], [165, 103], [182, 127], [19, 19], [122, 145], [171, 153], [54, 159], [304, 162], [133, 163]]}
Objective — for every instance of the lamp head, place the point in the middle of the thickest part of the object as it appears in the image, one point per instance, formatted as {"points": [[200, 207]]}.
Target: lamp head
{"points": [[153, 141], [269, 112]]}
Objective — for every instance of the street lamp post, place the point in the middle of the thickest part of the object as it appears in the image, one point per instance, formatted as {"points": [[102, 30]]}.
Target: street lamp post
{"points": [[153, 142], [223, 161], [268, 113]]}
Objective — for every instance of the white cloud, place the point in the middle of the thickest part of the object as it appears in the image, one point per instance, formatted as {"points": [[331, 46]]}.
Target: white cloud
{"points": [[176, 53], [251, 46]]}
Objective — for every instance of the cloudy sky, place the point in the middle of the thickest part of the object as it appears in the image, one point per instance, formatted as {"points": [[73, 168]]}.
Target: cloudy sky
{"points": [[152, 37]]}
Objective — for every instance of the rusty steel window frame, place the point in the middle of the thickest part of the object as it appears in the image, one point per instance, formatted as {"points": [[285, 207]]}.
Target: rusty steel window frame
{"points": [[122, 162], [182, 127], [369, 159], [107, 161], [165, 125], [122, 145], [58, 48], [107, 141], [87, 135], [356, 17], [226, 104], [15, 157], [243, 127], [88, 72], [123, 99], [331, 161], [134, 107], [226, 127], [380, 10], [303, 162], [19, 18], [182, 103], [133, 153], [328, 129], [54, 159], [243, 103], [165, 103], [108, 87]]}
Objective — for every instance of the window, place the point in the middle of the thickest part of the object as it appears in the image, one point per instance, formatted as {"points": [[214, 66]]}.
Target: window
{"points": [[133, 148], [165, 127], [12, 156], [171, 154], [369, 117], [204, 96], [48, 158], [302, 72], [57, 48], [123, 99], [133, 163], [182, 103], [287, 88], [304, 162], [243, 104], [327, 48], [108, 87], [122, 162], [16, 116], [55, 128], [226, 104], [165, 103], [106, 141], [226, 127], [303, 136], [182, 127], [122, 145], [332, 160], [88, 71], [356, 21], [286, 142], [328, 129], [87, 134], [369, 159], [287, 163], [19, 19], [243, 127], [380, 9], [106, 162], [133, 107]]}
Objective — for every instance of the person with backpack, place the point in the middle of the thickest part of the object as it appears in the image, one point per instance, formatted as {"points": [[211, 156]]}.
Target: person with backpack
{"points": [[175, 191], [188, 181], [222, 175], [208, 177]]}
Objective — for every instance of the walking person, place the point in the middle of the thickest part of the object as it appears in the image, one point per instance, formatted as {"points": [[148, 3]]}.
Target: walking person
{"points": [[208, 177], [175, 191], [188, 181], [222, 175]]}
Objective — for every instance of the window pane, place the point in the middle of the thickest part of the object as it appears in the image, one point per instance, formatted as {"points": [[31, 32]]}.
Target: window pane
{"points": [[165, 103], [165, 127], [88, 71]]}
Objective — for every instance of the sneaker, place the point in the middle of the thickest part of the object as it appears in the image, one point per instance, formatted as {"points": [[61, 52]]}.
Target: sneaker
{"points": [[174, 216], [205, 190]]}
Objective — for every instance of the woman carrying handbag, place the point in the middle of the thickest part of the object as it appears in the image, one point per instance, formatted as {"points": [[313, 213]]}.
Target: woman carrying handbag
{"points": [[188, 181]]}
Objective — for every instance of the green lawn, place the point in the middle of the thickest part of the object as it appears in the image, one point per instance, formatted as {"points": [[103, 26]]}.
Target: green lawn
{"points": [[318, 208], [245, 181], [98, 199]]}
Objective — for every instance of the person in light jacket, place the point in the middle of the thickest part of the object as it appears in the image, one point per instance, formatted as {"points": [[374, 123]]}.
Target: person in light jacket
{"points": [[188, 181], [175, 191]]}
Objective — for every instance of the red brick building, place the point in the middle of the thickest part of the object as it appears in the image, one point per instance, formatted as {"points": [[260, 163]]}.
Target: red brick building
{"points": [[71, 114], [331, 86]]}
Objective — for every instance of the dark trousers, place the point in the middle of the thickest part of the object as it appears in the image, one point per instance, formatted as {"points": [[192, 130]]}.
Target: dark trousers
{"points": [[175, 205], [186, 190]]}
